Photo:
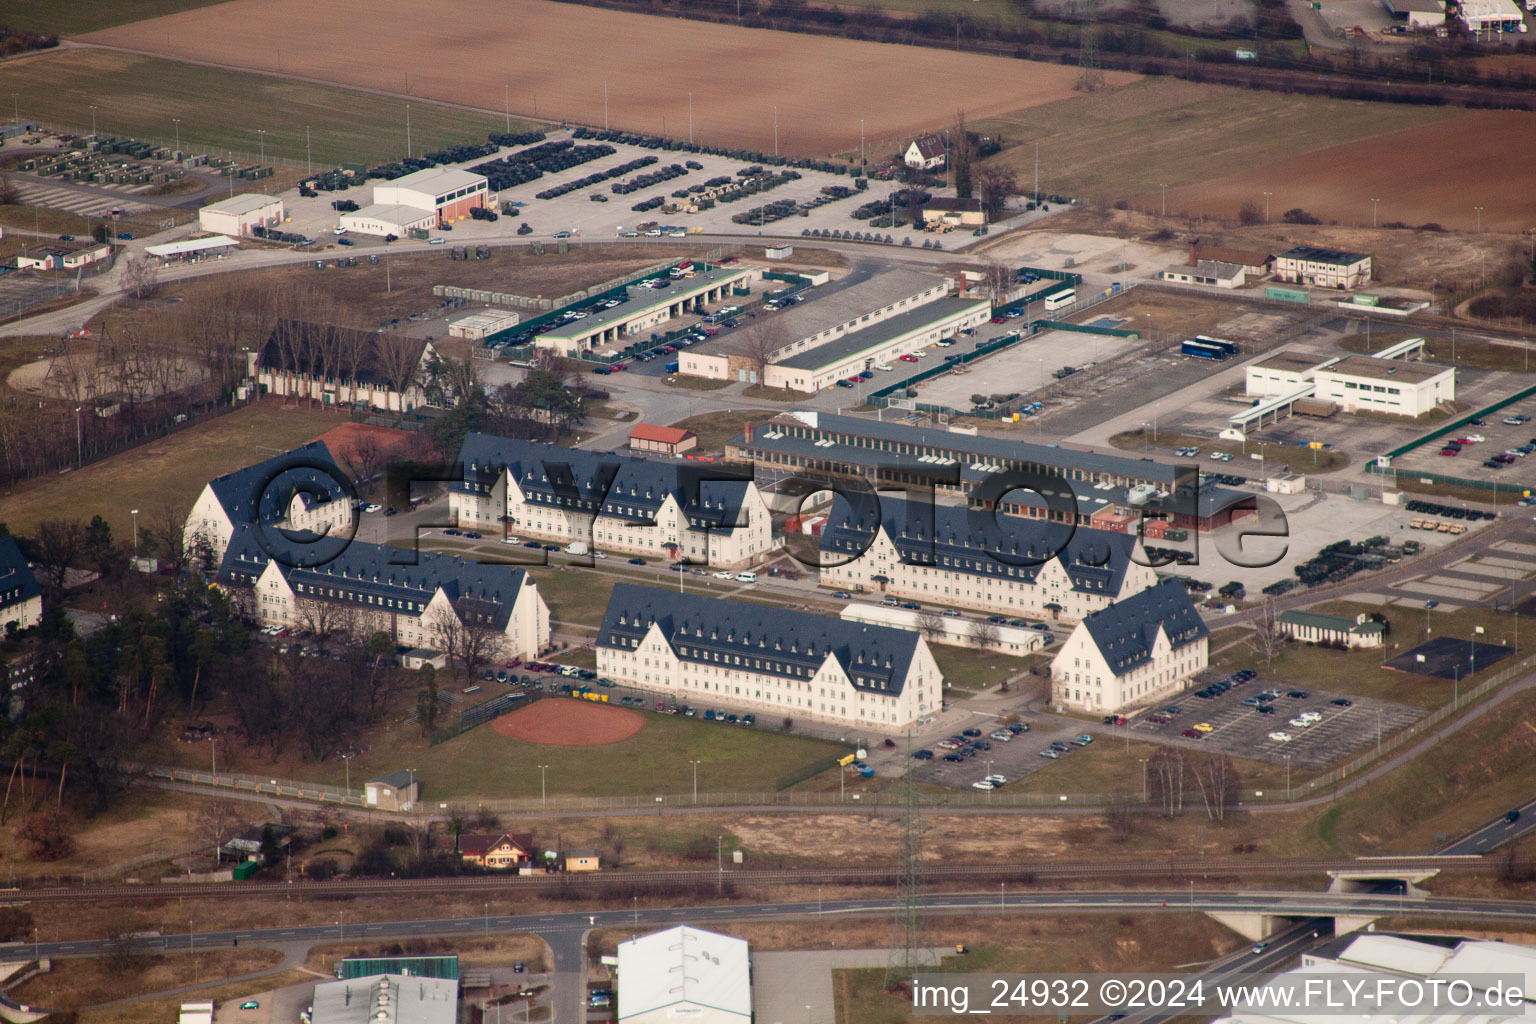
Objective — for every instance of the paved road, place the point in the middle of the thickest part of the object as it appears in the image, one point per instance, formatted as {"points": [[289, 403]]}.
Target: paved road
{"points": [[1494, 834], [1287, 904]]}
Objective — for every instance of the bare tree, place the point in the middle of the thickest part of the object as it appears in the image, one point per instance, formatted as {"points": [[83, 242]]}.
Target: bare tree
{"points": [[467, 634], [60, 543], [1267, 639], [166, 533], [10, 195], [1167, 769], [930, 623], [761, 341], [983, 634], [218, 821], [366, 457], [1216, 776], [141, 276], [995, 185], [997, 279], [399, 359]]}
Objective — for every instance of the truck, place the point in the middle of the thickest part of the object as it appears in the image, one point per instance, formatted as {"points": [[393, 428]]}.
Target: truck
{"points": [[576, 547]]}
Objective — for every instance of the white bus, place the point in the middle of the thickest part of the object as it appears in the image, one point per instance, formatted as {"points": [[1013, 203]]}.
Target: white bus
{"points": [[1061, 299]]}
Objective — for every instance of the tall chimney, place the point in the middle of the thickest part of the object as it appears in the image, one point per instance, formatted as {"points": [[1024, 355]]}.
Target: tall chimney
{"points": [[749, 433], [1194, 248]]}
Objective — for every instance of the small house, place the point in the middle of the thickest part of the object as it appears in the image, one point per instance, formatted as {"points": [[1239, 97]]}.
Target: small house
{"points": [[396, 791], [490, 850], [582, 860], [927, 153], [1317, 628]]}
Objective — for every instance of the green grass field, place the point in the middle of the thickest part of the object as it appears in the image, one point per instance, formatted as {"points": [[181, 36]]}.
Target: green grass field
{"points": [[1125, 142], [223, 110], [78, 19], [483, 763], [170, 471], [970, 672]]}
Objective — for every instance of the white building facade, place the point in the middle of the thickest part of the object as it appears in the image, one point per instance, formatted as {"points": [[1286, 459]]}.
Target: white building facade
{"points": [[1323, 268], [237, 215], [1396, 386], [609, 502], [21, 598], [699, 650], [1132, 653]]}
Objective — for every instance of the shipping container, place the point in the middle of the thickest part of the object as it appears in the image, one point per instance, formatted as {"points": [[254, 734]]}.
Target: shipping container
{"points": [[1287, 295], [245, 869]]}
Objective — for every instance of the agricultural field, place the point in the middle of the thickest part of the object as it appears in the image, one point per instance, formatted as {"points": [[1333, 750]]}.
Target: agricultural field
{"points": [[221, 110], [1406, 170], [1127, 142], [740, 82], [73, 19]]}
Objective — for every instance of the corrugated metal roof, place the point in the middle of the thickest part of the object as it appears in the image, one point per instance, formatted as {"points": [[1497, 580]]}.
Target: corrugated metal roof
{"points": [[668, 971]]}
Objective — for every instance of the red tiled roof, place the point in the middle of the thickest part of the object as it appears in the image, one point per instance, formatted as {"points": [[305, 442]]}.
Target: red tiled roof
{"points": [[661, 435]]}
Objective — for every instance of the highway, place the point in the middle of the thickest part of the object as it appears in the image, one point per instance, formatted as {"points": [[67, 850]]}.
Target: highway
{"points": [[705, 880], [1495, 833]]}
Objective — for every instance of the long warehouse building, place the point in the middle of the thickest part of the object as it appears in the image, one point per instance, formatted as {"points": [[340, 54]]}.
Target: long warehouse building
{"points": [[895, 455]]}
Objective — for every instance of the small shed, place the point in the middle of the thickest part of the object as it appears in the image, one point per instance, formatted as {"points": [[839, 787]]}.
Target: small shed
{"points": [[583, 860], [421, 657], [779, 252], [396, 791], [648, 437]]}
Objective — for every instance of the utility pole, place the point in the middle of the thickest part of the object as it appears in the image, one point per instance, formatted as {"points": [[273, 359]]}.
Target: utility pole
{"points": [[695, 773], [1266, 206], [309, 164], [1165, 199], [775, 130], [910, 951], [1374, 201], [408, 131], [507, 100], [863, 161], [135, 513], [690, 118], [543, 797], [605, 104], [1037, 172], [177, 122]]}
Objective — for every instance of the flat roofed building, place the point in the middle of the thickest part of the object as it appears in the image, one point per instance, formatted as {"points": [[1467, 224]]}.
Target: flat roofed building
{"points": [[971, 558], [387, 999], [1324, 268], [193, 250], [685, 973], [610, 502], [1255, 262], [767, 660], [1210, 273], [237, 215], [882, 343], [642, 311], [1282, 373], [437, 600], [826, 445], [1396, 386], [446, 192], [1132, 652], [1490, 15], [392, 791], [849, 304], [385, 219], [1417, 13], [21, 596], [955, 212]]}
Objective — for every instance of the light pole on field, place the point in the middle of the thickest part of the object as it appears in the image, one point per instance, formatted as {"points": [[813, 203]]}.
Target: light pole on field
{"points": [[93, 124], [690, 119], [507, 100], [177, 122], [543, 796], [1266, 206], [605, 104], [1165, 198], [695, 779], [775, 130], [135, 513], [261, 133], [309, 165], [408, 153], [1479, 209]]}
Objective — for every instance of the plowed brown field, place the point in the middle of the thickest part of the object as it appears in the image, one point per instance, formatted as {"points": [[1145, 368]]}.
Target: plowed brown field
{"points": [[555, 59], [1435, 173], [570, 723]]}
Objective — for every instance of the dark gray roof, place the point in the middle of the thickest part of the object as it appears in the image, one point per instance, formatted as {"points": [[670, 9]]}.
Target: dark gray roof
{"points": [[352, 572], [1313, 254], [17, 584], [854, 342], [1125, 631], [263, 492], [974, 541], [776, 641], [398, 780], [621, 486]]}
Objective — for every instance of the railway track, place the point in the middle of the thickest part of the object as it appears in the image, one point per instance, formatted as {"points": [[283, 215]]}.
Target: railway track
{"points": [[703, 880]]}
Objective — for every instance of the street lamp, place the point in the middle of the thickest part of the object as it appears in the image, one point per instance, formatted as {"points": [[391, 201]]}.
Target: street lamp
{"points": [[1374, 201], [694, 763], [1266, 206], [262, 133], [1479, 210], [720, 859], [1165, 198], [1287, 777], [213, 746], [346, 759], [135, 513], [79, 440], [487, 920], [93, 120], [177, 122], [543, 795]]}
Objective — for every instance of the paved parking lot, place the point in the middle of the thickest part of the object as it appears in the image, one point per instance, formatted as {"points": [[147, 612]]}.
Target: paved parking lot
{"points": [[1242, 731], [1497, 437], [1012, 759], [1024, 367]]}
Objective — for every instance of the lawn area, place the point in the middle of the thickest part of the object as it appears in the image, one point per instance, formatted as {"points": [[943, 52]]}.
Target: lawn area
{"points": [[74, 983], [167, 472], [688, 383], [1118, 143], [220, 110], [165, 1008], [483, 763], [581, 595], [78, 19], [968, 672], [1484, 355], [1314, 461], [716, 428], [1360, 672]]}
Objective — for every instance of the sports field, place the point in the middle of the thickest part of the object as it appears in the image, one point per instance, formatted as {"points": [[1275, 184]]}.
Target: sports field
{"points": [[1406, 170], [557, 59], [222, 110]]}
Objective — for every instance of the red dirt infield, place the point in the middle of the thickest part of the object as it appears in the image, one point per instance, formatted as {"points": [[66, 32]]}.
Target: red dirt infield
{"points": [[570, 723]]}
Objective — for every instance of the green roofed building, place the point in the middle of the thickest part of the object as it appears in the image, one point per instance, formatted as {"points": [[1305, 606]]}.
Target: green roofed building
{"points": [[1317, 628], [446, 967]]}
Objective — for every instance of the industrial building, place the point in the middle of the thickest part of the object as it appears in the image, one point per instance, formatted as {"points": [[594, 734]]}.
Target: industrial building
{"points": [[237, 215], [1491, 17], [699, 649], [685, 973], [193, 250], [643, 310], [608, 502], [1417, 14], [847, 306], [969, 213], [1099, 485], [1324, 268], [387, 999], [385, 219], [1132, 652], [1282, 373], [972, 558], [62, 257], [420, 201], [1255, 262], [480, 326], [1210, 273]]}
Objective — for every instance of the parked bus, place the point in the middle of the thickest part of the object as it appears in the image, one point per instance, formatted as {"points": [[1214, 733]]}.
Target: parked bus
{"points": [[1229, 347], [1203, 350], [1061, 299]]}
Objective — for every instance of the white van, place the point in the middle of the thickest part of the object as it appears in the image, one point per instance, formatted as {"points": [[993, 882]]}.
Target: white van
{"points": [[576, 547], [746, 577]]}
